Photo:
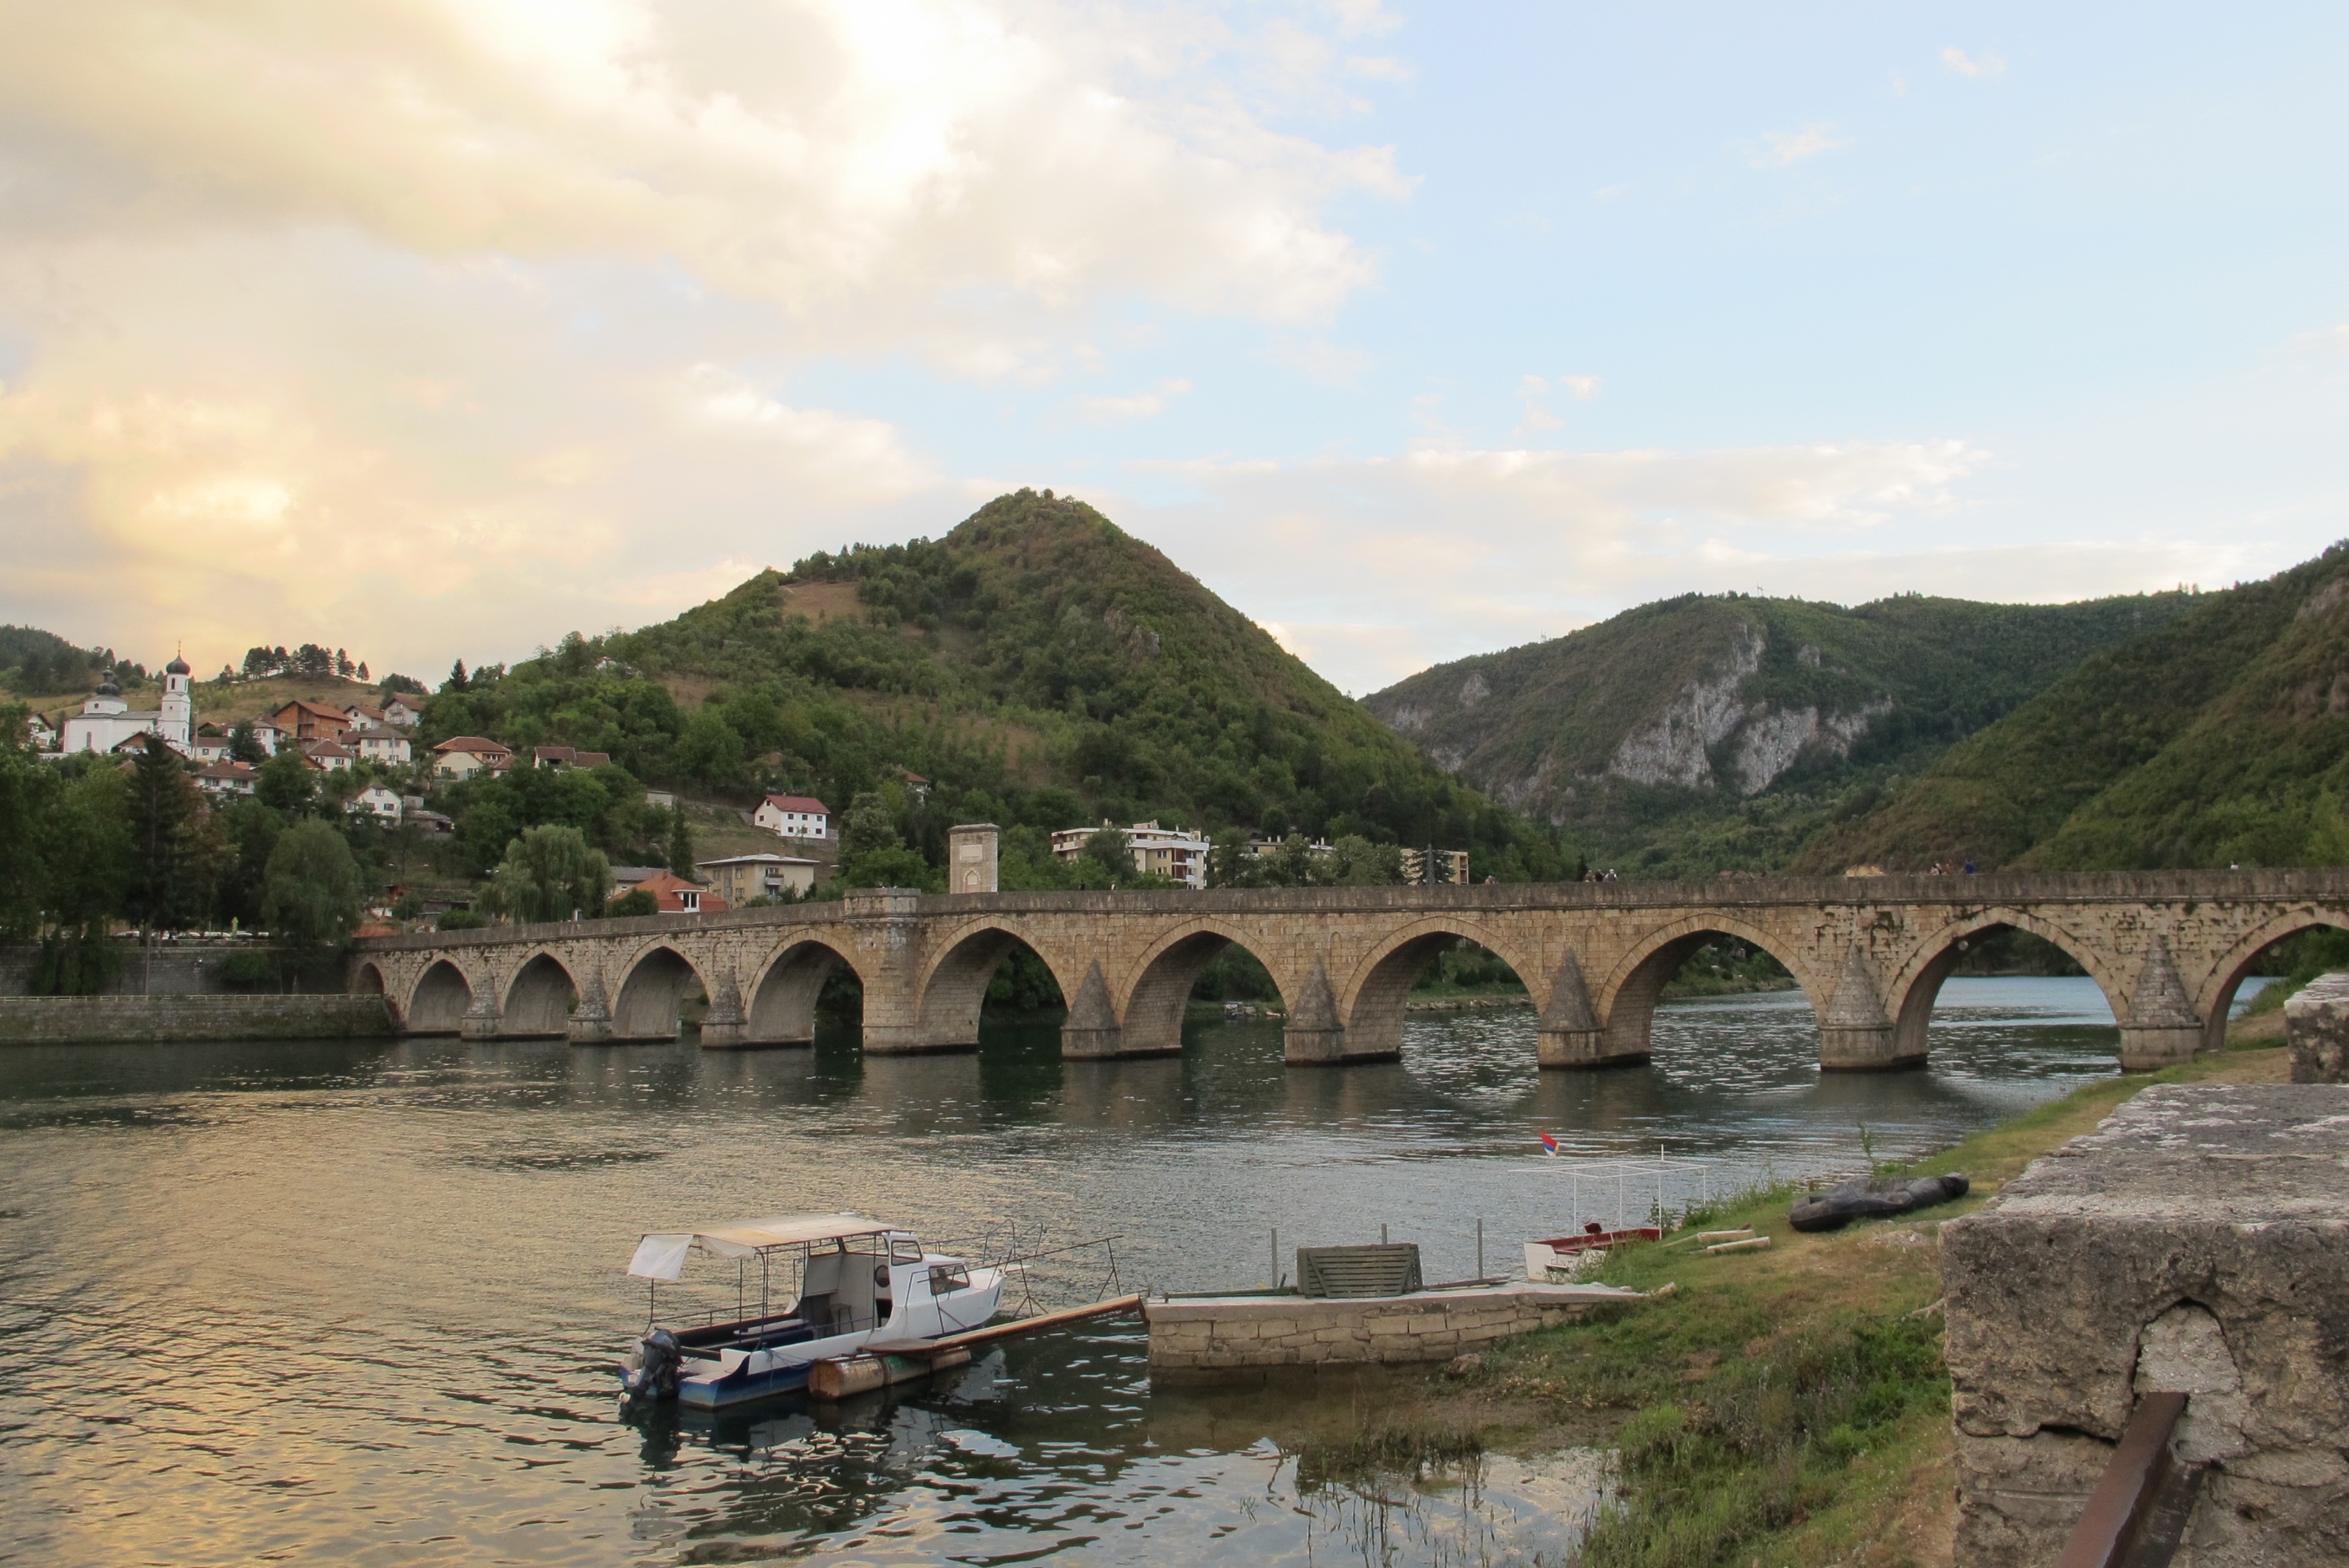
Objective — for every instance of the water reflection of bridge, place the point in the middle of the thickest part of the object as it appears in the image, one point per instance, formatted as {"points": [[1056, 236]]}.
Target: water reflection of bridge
{"points": [[2167, 948]]}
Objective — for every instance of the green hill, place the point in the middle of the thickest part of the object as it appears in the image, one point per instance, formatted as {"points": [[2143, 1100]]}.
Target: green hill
{"points": [[1704, 734], [1036, 667], [2220, 738]]}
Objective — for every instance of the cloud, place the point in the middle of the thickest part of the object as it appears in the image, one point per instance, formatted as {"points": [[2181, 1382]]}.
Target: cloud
{"points": [[1533, 389], [1374, 568], [1139, 405], [1780, 148], [1988, 67], [442, 325]]}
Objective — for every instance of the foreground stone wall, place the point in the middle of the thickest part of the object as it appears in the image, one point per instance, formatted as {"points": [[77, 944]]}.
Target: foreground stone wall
{"points": [[2317, 1027], [171, 1020], [2197, 1242], [1225, 1333]]}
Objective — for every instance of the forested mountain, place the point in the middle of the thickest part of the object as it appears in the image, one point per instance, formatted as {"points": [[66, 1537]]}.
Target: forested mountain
{"points": [[1702, 734], [2220, 738], [1036, 667]]}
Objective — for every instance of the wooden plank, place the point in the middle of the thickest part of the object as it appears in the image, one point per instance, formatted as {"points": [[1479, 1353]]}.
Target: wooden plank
{"points": [[1067, 1315]]}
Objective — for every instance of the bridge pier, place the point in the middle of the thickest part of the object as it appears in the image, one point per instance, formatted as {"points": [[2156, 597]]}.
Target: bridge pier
{"points": [[887, 927], [1570, 1036], [2161, 1029], [591, 1020], [1857, 1035], [483, 1018], [1314, 1036], [723, 1026]]}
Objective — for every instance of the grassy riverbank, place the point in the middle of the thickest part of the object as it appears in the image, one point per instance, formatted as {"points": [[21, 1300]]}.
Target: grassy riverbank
{"points": [[1786, 1407]]}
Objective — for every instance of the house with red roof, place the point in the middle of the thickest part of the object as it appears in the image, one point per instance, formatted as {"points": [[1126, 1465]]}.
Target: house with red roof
{"points": [[795, 815]]}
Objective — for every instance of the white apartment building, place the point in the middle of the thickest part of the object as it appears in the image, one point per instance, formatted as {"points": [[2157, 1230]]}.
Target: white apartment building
{"points": [[1169, 852]]}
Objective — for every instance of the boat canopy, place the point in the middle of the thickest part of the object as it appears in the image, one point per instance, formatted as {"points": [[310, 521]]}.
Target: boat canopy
{"points": [[661, 1255]]}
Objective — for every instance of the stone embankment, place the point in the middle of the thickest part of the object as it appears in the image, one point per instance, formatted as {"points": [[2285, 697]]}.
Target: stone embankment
{"points": [[2317, 1027], [174, 969], [1214, 1337], [176, 1020]]}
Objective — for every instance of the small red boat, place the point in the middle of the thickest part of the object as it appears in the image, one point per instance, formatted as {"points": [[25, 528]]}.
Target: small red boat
{"points": [[1570, 1253]]}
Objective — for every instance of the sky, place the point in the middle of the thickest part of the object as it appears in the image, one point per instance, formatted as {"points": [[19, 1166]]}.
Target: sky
{"points": [[439, 328]]}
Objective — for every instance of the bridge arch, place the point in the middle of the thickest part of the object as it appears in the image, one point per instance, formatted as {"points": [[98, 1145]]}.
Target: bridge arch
{"points": [[780, 1009], [655, 978], [539, 998], [2216, 995], [440, 999], [1159, 984], [1625, 1001], [1377, 995], [367, 980], [952, 987], [1918, 983]]}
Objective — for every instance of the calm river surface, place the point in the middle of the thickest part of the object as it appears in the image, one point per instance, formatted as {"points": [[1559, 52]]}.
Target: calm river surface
{"points": [[359, 1303]]}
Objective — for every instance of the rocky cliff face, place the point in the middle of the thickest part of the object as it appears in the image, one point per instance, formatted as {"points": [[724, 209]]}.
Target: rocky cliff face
{"points": [[1691, 707]]}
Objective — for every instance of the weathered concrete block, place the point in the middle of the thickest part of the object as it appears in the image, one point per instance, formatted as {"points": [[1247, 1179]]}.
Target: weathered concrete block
{"points": [[2316, 1028], [2197, 1242]]}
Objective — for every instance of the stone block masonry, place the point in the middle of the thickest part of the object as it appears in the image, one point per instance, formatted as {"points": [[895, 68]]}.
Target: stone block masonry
{"points": [[176, 1020], [1206, 1337], [2317, 1027], [2169, 950], [2197, 1242]]}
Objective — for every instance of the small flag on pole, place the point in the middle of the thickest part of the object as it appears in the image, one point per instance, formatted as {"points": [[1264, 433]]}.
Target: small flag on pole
{"points": [[1549, 1146]]}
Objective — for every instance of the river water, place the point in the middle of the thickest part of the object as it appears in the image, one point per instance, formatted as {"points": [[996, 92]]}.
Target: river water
{"points": [[358, 1303]]}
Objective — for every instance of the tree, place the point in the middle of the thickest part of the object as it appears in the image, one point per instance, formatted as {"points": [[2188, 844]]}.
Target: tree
{"points": [[680, 842], [549, 874], [244, 745], [312, 894], [455, 681], [363, 674], [164, 891], [868, 827], [28, 792], [287, 783], [1107, 849], [636, 901], [709, 748], [1229, 864]]}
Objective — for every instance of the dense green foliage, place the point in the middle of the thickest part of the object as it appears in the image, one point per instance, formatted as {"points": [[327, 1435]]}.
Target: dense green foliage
{"points": [[38, 662], [311, 891], [1036, 667], [548, 874], [1575, 730], [2221, 737]]}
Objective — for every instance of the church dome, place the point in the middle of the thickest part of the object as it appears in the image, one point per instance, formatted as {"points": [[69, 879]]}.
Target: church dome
{"points": [[106, 687], [177, 667]]}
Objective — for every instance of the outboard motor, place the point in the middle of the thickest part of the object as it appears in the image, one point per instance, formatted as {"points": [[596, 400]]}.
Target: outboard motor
{"points": [[652, 1371]]}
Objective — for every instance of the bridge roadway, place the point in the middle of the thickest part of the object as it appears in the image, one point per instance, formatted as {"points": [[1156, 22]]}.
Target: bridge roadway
{"points": [[2169, 948]]}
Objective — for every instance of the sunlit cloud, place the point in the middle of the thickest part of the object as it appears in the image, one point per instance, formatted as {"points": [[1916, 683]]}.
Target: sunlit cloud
{"points": [[1777, 149], [1985, 66]]}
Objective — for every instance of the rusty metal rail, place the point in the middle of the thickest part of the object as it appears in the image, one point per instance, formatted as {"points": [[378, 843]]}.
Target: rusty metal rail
{"points": [[2138, 1513]]}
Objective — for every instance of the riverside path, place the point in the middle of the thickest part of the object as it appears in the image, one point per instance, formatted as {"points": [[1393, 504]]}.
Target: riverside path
{"points": [[2169, 949]]}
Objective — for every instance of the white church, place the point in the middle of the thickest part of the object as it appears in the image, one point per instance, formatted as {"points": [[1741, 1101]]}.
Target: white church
{"points": [[106, 721]]}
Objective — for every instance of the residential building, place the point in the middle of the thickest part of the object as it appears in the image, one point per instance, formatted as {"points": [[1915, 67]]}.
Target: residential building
{"points": [[417, 817], [209, 746], [674, 894], [463, 756], [564, 756], [663, 799], [267, 732], [329, 756], [1170, 852], [738, 879], [374, 800], [626, 877], [106, 721], [795, 815], [39, 735], [1258, 847], [381, 745], [403, 711], [225, 777], [360, 714], [311, 721]]}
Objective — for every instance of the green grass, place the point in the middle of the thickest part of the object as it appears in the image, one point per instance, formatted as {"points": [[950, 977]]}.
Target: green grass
{"points": [[1787, 1407]]}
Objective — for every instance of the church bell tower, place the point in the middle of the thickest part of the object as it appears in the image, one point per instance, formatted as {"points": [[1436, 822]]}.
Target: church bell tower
{"points": [[178, 721]]}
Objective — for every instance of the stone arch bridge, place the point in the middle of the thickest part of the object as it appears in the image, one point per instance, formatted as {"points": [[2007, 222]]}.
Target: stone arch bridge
{"points": [[2169, 949]]}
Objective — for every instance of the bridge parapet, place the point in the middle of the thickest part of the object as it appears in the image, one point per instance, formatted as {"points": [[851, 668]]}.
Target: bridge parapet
{"points": [[2167, 948]]}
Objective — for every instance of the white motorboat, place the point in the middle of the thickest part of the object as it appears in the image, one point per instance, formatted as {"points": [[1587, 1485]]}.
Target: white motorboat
{"points": [[849, 1281]]}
